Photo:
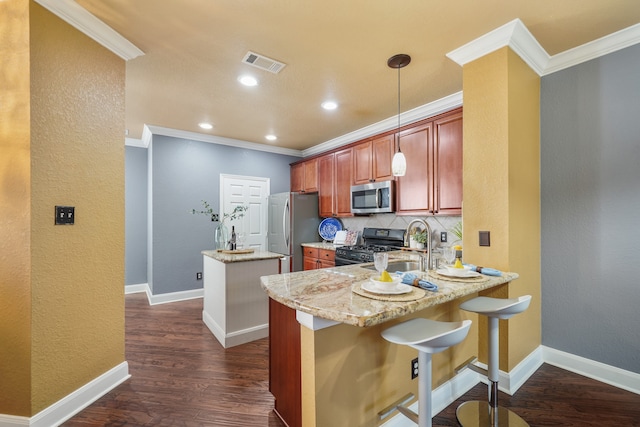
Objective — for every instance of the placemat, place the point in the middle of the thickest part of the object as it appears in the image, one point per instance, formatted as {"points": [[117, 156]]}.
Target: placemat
{"points": [[416, 293], [476, 279]]}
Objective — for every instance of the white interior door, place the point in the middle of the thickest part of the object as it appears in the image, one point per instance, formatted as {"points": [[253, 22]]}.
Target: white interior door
{"points": [[252, 192]]}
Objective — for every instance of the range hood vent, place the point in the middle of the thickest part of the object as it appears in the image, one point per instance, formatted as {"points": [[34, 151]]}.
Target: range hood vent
{"points": [[262, 62]]}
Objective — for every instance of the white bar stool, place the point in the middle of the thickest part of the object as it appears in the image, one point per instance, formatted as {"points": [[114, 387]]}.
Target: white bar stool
{"points": [[481, 413], [428, 337]]}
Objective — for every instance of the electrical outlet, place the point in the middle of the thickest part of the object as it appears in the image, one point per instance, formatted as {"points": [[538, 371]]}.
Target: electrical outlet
{"points": [[443, 237], [198, 276], [485, 238], [414, 368]]}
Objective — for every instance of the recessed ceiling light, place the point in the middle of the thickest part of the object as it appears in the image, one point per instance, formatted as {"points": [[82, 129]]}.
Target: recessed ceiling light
{"points": [[248, 80], [206, 126], [271, 137], [329, 105]]}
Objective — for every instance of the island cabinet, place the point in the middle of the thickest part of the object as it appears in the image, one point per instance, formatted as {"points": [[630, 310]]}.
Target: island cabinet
{"points": [[432, 184], [372, 160], [285, 376], [304, 176], [315, 258]]}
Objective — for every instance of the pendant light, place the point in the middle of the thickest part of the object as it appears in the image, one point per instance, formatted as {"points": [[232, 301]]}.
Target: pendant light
{"points": [[399, 162]]}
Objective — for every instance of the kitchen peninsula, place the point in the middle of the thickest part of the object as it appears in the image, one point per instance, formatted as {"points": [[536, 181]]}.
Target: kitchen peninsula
{"points": [[348, 372], [235, 309]]}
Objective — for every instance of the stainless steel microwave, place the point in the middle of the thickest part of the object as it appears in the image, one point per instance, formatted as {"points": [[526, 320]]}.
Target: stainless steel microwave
{"points": [[375, 197]]}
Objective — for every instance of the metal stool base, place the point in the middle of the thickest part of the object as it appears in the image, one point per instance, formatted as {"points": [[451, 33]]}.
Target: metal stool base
{"points": [[476, 413]]}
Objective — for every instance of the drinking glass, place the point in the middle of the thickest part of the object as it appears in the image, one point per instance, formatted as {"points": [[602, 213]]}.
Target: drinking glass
{"points": [[449, 254], [240, 237], [380, 260]]}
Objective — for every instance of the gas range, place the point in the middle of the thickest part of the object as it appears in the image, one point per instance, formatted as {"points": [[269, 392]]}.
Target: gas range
{"points": [[375, 240]]}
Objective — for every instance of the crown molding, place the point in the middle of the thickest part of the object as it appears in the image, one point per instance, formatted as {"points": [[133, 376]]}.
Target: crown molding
{"points": [[78, 17], [515, 35], [615, 41], [422, 112], [150, 130]]}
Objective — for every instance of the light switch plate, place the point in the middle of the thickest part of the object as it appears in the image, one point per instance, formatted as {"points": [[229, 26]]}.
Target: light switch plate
{"points": [[65, 215]]}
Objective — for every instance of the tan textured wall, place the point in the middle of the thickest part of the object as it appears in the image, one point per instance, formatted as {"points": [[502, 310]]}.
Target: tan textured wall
{"points": [[15, 222], [357, 373], [77, 159], [502, 187]]}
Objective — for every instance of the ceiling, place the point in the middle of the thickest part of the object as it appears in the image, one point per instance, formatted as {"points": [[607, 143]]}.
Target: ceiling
{"points": [[333, 49]]}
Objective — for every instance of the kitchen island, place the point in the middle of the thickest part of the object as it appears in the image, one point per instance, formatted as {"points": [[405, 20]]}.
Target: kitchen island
{"points": [[235, 309], [348, 372]]}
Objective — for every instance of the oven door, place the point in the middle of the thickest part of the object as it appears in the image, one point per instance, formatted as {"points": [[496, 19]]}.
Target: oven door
{"points": [[344, 261]]}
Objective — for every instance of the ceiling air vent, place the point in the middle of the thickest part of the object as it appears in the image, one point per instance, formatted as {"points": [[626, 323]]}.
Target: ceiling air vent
{"points": [[263, 62]]}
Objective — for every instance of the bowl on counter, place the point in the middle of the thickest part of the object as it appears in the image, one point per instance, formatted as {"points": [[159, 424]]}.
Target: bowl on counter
{"points": [[386, 286]]}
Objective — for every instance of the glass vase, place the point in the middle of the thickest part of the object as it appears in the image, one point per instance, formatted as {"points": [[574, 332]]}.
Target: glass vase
{"points": [[221, 236]]}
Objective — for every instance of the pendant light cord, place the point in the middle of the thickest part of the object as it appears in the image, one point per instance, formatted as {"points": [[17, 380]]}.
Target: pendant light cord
{"points": [[398, 132]]}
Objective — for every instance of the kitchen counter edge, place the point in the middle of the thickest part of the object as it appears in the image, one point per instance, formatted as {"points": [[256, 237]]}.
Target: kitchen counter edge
{"points": [[229, 258], [326, 293]]}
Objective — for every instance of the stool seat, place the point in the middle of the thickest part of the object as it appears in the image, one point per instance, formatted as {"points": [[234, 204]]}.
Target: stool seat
{"points": [[427, 335], [497, 307]]}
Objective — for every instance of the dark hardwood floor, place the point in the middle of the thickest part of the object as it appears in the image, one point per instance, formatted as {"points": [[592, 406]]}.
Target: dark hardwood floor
{"points": [[181, 376]]}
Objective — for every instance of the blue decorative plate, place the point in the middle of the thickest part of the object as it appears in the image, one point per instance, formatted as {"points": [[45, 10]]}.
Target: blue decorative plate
{"points": [[329, 227]]}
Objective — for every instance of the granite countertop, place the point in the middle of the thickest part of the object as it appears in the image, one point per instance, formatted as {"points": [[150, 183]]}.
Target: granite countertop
{"points": [[228, 258], [320, 245], [327, 293]]}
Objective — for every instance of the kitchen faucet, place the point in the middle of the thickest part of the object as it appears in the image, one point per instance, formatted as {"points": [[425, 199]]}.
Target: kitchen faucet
{"points": [[428, 243]]}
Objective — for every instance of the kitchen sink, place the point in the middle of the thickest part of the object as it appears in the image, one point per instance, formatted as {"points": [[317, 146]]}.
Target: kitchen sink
{"points": [[394, 266]]}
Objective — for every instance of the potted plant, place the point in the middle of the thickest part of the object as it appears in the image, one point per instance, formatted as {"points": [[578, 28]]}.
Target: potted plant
{"points": [[221, 233], [421, 238]]}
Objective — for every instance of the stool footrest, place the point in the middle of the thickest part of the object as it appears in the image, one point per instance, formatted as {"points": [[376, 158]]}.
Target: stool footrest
{"points": [[394, 406], [408, 413], [470, 363]]}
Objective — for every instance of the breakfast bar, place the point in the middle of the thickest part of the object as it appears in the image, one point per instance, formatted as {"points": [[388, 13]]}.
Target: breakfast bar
{"points": [[348, 372]]}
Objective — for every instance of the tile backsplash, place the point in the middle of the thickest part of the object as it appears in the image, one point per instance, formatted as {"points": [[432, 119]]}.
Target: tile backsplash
{"points": [[438, 224]]}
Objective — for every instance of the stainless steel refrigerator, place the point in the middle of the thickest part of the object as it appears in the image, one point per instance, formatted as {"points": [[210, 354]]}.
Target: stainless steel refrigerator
{"points": [[293, 219]]}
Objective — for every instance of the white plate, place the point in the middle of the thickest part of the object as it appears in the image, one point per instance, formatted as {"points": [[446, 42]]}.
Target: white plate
{"points": [[400, 288], [462, 273]]}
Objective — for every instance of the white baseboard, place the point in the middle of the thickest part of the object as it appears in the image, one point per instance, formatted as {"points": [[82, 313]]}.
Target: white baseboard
{"points": [[607, 374], [235, 338], [75, 402], [163, 298]]}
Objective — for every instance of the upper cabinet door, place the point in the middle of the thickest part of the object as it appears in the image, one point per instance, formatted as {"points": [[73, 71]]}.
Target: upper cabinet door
{"points": [[304, 176], [447, 147], [326, 181], [343, 182], [383, 149], [297, 178], [413, 189], [372, 160], [362, 163]]}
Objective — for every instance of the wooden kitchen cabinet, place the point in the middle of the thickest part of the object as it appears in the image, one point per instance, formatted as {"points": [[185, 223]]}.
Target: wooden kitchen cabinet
{"points": [[447, 159], [372, 160], [315, 258], [285, 375], [433, 181], [326, 183], [343, 179], [304, 176]]}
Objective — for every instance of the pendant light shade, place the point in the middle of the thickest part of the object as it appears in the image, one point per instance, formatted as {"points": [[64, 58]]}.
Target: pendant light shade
{"points": [[399, 162]]}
